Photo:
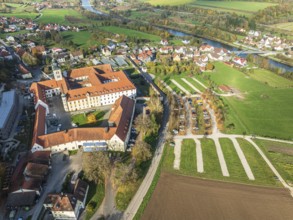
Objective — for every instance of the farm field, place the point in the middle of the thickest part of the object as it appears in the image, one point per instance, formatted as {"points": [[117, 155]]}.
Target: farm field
{"points": [[281, 155], [168, 2], [285, 26], [20, 11], [130, 33], [263, 110], [81, 39], [59, 16], [176, 196], [234, 5]]}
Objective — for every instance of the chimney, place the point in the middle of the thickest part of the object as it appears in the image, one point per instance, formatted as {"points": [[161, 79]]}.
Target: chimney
{"points": [[107, 129]]}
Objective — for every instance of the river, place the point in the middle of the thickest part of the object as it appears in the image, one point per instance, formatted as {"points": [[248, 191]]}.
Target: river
{"points": [[274, 64]]}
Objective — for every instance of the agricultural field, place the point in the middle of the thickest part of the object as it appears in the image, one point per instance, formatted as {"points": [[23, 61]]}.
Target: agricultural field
{"points": [[81, 39], [168, 2], [60, 16], [288, 26], [263, 110], [281, 155], [18, 10], [245, 6], [130, 33], [176, 196]]}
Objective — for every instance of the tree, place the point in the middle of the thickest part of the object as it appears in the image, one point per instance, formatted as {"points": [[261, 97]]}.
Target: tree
{"points": [[143, 124], [124, 174], [141, 152], [91, 118], [96, 166]]}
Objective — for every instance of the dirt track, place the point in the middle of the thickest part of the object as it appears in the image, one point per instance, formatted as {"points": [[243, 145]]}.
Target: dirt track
{"points": [[178, 197]]}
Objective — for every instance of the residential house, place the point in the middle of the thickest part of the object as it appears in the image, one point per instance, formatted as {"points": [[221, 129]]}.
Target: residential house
{"points": [[106, 51], [68, 206], [240, 61], [76, 55], [164, 42]]}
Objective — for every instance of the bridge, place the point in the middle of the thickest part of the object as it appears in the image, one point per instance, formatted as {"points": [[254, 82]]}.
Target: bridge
{"points": [[254, 52]]}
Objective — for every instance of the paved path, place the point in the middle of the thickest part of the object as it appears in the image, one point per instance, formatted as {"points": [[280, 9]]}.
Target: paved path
{"points": [[199, 82], [192, 86], [180, 87], [271, 166], [177, 152], [199, 159], [222, 161], [242, 159]]}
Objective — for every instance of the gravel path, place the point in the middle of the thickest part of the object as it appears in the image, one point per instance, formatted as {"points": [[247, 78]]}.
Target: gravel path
{"points": [[199, 159], [223, 164], [192, 86], [177, 152], [243, 159], [180, 87]]}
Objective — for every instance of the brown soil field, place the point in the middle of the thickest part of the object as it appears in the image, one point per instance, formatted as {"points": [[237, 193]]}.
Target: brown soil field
{"points": [[180, 197], [283, 150]]}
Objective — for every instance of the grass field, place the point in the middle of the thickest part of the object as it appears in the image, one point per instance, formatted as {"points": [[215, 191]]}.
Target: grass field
{"points": [[81, 119], [59, 16], [281, 155], [234, 5], [168, 2], [81, 39], [211, 162], [263, 110], [130, 33], [188, 157], [233, 162], [285, 26], [259, 168], [20, 11]]}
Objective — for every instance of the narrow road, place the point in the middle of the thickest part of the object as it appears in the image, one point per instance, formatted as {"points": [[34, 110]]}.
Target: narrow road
{"points": [[177, 153], [222, 161], [199, 159], [180, 87], [242, 159], [192, 86]]}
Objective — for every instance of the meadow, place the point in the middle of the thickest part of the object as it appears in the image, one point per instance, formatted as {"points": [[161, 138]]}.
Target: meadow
{"points": [[20, 11], [266, 107], [81, 39], [281, 155], [59, 16], [285, 26], [130, 33]]}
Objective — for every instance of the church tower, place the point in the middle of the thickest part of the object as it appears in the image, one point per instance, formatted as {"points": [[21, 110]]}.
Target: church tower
{"points": [[56, 71]]}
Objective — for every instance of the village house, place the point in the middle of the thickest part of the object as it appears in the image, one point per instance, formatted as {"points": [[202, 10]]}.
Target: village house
{"points": [[68, 206], [106, 51], [164, 42], [241, 62], [76, 55]]}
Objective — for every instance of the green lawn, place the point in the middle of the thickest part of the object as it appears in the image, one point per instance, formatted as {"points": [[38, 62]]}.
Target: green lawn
{"points": [[95, 196], [81, 39], [281, 155], [188, 157], [20, 11], [211, 162], [81, 119], [270, 78], [59, 16], [234, 5], [168, 2], [261, 171], [233, 162], [263, 110], [131, 33]]}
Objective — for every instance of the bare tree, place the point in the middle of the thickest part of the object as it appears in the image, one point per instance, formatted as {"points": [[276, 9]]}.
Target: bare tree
{"points": [[96, 166], [141, 152]]}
